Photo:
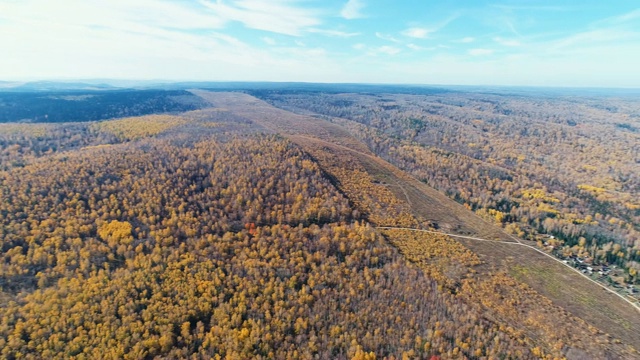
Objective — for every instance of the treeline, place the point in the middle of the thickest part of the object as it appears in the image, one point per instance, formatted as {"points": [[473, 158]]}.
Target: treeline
{"points": [[536, 165], [65, 106], [22, 143]]}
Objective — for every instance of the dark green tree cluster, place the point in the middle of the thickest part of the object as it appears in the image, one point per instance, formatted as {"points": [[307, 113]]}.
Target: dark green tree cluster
{"points": [[67, 106]]}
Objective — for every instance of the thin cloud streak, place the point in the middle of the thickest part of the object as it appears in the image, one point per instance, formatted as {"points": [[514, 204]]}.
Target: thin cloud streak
{"points": [[333, 33], [269, 41], [590, 38], [307, 40], [622, 19], [480, 52], [353, 10], [417, 32], [389, 50], [465, 40], [507, 42], [143, 16], [533, 7], [275, 16], [386, 37]]}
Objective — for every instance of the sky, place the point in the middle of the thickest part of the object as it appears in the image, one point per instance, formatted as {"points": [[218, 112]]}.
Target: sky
{"points": [[587, 43]]}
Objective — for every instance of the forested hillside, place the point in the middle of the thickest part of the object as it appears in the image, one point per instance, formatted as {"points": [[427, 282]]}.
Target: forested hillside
{"points": [[242, 231], [557, 310], [563, 171], [202, 240]]}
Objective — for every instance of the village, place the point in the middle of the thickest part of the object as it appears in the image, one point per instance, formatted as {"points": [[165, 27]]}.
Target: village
{"points": [[610, 275]]}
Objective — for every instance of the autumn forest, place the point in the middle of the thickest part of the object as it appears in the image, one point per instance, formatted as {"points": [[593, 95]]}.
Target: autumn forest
{"points": [[319, 224]]}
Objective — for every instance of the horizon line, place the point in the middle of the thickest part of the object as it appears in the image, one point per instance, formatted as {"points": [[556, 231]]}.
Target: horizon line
{"points": [[178, 81]]}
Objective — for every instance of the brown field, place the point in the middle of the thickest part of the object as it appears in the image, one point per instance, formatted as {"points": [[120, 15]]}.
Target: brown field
{"points": [[281, 121], [332, 146]]}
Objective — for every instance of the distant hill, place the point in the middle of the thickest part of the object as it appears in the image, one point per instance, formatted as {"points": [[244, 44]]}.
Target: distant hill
{"points": [[53, 86], [306, 87], [416, 89], [73, 106]]}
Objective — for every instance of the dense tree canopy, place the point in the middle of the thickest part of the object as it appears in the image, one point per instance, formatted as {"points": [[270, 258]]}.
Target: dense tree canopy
{"points": [[225, 245], [566, 167], [204, 235]]}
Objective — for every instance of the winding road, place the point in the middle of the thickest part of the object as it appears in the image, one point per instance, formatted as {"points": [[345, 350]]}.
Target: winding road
{"points": [[634, 304]]}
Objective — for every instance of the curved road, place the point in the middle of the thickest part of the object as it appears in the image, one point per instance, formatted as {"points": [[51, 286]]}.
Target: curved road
{"points": [[635, 305]]}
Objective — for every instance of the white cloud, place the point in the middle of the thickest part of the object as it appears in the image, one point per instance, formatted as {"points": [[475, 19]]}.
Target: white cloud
{"points": [[352, 9], [151, 39], [423, 32], [301, 52], [480, 52], [376, 51], [334, 33], [386, 37], [140, 16], [389, 50], [417, 32], [278, 16], [466, 40], [268, 40], [507, 42], [117, 26], [145, 39]]}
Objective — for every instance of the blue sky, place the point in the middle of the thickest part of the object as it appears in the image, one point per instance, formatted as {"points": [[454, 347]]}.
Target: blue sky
{"points": [[538, 43]]}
